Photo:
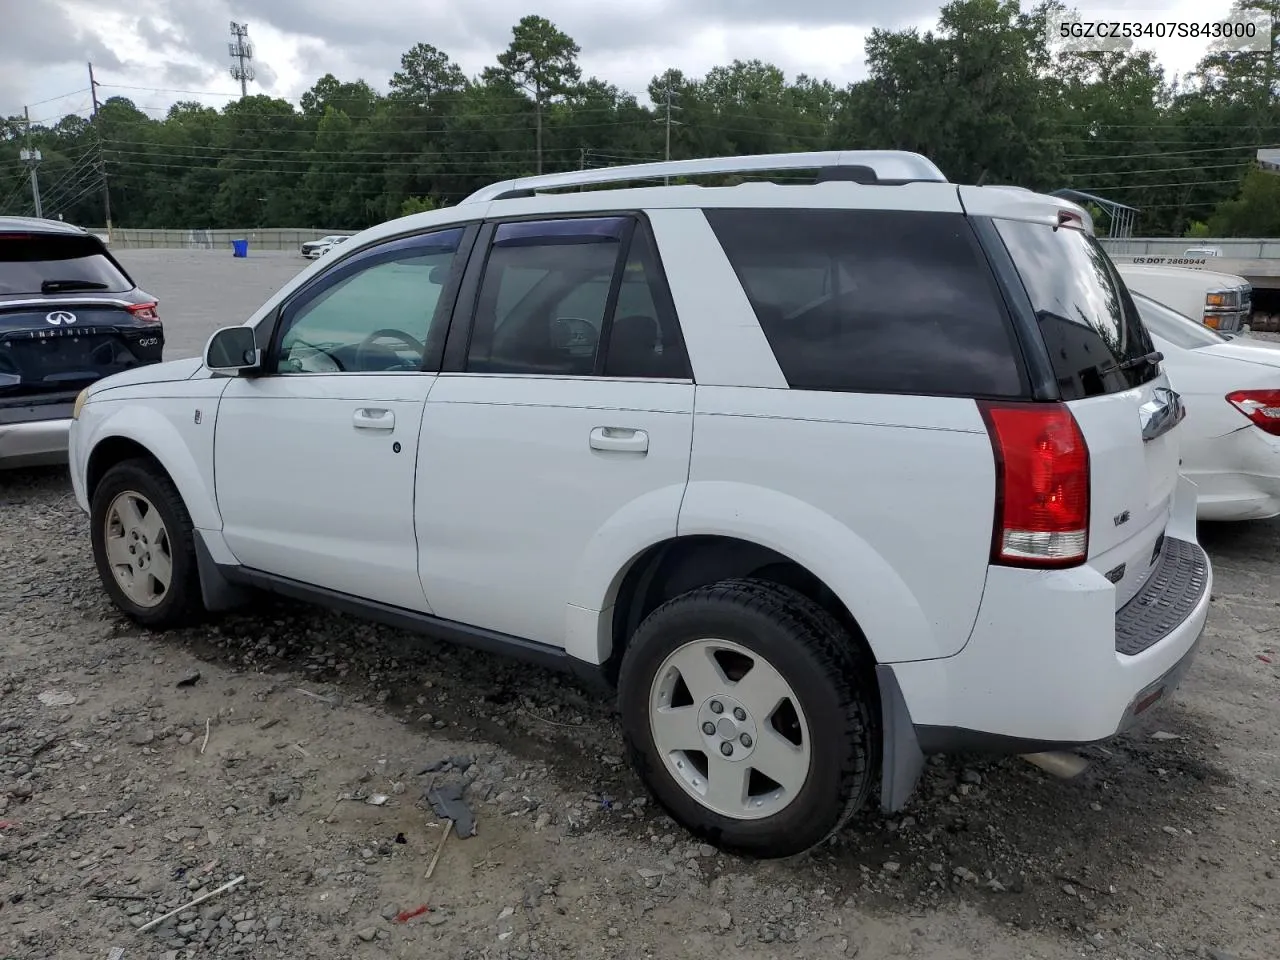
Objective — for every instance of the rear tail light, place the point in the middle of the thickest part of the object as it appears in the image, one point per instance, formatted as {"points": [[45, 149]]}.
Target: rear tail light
{"points": [[1042, 485], [1260, 406], [145, 312]]}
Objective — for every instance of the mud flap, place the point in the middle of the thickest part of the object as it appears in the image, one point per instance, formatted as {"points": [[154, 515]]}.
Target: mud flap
{"points": [[902, 758], [218, 593]]}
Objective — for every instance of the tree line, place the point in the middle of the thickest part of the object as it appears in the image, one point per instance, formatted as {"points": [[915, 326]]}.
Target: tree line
{"points": [[981, 94]]}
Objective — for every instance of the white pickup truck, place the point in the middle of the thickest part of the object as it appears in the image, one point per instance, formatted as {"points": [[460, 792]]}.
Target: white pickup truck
{"points": [[1221, 301]]}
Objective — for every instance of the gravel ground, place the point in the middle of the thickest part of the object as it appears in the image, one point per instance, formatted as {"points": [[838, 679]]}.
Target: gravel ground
{"points": [[114, 809], [139, 771]]}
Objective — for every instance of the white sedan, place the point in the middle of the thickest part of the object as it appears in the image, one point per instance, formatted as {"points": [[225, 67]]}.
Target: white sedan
{"points": [[1231, 388]]}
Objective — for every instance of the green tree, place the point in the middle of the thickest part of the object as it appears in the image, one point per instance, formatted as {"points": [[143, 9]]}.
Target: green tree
{"points": [[425, 73], [543, 61], [413, 205], [1255, 213]]}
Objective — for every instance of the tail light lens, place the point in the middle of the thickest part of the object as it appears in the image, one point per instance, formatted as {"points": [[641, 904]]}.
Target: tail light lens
{"points": [[145, 312], [1260, 406], [1042, 485]]}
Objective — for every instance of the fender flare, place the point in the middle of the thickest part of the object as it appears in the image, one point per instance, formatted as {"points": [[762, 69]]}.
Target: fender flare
{"points": [[609, 554], [157, 434], [870, 589], [895, 625]]}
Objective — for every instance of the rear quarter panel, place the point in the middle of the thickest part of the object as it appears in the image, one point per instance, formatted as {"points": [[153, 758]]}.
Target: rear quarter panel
{"points": [[889, 501]]}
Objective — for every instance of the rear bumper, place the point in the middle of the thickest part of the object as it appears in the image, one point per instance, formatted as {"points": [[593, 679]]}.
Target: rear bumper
{"points": [[1051, 663], [1238, 476], [34, 443]]}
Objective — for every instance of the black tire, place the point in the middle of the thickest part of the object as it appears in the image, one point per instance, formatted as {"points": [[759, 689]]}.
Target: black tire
{"points": [[830, 676], [181, 604]]}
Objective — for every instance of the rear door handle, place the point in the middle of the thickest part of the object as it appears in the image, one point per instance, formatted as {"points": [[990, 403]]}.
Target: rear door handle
{"points": [[373, 418], [621, 439]]}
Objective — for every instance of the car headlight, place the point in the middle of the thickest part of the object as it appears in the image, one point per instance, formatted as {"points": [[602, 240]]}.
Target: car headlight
{"points": [[81, 397]]}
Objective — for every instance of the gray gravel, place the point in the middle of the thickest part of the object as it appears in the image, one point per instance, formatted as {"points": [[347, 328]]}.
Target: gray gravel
{"points": [[112, 813]]}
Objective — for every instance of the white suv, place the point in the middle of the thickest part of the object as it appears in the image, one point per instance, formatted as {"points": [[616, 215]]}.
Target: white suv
{"points": [[820, 478]]}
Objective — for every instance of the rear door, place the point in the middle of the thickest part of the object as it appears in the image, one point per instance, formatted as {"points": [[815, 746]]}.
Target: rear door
{"points": [[562, 422], [1123, 403]]}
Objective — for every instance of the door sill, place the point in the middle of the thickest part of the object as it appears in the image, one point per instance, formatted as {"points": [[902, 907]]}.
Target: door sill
{"points": [[461, 634]]}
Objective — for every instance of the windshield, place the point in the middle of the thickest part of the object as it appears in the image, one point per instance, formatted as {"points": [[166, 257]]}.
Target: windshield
{"points": [[1179, 329], [35, 264], [1087, 317]]}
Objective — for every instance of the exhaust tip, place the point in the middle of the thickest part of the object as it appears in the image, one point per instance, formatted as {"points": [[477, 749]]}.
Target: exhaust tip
{"points": [[1063, 765]]}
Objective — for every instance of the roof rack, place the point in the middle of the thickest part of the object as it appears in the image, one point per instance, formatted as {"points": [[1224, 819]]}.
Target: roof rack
{"points": [[878, 166]]}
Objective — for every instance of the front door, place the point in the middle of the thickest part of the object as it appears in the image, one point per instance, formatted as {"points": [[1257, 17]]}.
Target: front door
{"points": [[567, 418], [314, 460]]}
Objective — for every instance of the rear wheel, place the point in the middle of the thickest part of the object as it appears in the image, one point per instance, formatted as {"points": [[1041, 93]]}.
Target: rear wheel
{"points": [[749, 712], [143, 545]]}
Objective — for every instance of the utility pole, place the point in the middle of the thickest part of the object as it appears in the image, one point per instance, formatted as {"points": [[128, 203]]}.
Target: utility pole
{"points": [[31, 158], [241, 51], [669, 95], [102, 160]]}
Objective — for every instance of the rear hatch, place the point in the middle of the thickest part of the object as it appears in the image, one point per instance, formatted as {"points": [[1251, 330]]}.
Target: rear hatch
{"points": [[69, 315], [1102, 357]]}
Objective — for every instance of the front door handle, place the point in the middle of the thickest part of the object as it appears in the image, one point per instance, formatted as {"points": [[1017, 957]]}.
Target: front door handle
{"points": [[620, 439], [373, 418]]}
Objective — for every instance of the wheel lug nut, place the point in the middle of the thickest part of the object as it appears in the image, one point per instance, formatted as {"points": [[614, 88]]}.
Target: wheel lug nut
{"points": [[745, 739], [739, 713], [709, 728], [726, 749], [717, 706]]}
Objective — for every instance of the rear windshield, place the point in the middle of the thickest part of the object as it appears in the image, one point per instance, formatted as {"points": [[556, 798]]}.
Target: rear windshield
{"points": [[874, 301], [1180, 330], [51, 264], [1087, 316]]}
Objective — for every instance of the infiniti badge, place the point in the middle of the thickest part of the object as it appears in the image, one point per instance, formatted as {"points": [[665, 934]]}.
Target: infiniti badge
{"points": [[59, 317]]}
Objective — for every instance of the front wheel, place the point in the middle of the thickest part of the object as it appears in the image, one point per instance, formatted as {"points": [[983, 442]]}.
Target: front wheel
{"points": [[144, 547], [749, 713]]}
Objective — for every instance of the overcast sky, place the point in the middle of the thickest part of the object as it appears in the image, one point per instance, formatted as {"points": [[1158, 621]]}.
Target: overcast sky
{"points": [[175, 46]]}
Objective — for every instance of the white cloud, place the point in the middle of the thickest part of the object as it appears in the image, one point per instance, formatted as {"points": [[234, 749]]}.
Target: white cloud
{"points": [[181, 45]]}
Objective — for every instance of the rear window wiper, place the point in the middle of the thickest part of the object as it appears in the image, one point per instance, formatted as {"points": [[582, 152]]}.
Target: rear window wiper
{"points": [[62, 286], [1152, 358]]}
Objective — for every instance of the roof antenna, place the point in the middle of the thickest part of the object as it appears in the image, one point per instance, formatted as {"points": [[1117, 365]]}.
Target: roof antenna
{"points": [[982, 178]]}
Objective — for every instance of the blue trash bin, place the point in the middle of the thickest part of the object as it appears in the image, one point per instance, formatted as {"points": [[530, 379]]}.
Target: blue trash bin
{"points": [[239, 248]]}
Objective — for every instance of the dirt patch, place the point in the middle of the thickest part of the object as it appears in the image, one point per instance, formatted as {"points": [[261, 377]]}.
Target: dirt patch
{"points": [[115, 810]]}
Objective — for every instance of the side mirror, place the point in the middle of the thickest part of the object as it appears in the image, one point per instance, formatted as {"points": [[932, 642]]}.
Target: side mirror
{"points": [[233, 350]]}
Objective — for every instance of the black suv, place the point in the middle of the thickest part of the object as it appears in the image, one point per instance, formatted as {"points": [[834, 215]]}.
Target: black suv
{"points": [[69, 315]]}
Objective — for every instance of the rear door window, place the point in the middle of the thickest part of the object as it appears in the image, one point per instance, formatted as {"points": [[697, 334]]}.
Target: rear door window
{"points": [[1088, 319], [50, 264], [874, 301]]}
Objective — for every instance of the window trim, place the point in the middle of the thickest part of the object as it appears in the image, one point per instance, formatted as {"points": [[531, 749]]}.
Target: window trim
{"points": [[353, 263], [462, 321]]}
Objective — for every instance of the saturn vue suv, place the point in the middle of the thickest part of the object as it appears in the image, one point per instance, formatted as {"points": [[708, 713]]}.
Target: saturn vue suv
{"points": [[69, 315], [815, 478]]}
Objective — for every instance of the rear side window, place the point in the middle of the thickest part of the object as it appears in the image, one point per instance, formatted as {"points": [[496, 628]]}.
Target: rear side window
{"points": [[1087, 316], [34, 264], [874, 301]]}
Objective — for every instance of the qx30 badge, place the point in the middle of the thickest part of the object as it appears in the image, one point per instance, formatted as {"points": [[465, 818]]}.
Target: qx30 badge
{"points": [[60, 317]]}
